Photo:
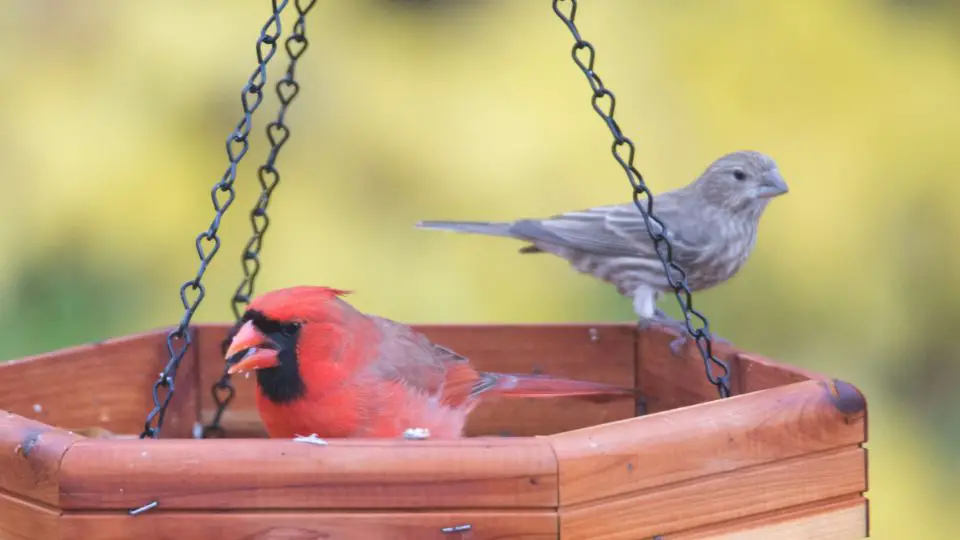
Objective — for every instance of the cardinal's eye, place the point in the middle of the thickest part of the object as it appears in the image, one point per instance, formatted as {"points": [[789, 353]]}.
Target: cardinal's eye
{"points": [[290, 329], [739, 175]]}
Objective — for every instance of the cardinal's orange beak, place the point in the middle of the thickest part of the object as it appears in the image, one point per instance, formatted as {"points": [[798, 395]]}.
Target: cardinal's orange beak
{"points": [[261, 351]]}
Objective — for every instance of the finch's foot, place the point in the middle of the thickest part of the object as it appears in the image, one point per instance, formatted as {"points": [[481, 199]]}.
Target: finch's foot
{"points": [[676, 346], [661, 318]]}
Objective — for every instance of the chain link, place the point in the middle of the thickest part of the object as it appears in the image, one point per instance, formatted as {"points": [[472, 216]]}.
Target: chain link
{"points": [[277, 133], [192, 292], [623, 150]]}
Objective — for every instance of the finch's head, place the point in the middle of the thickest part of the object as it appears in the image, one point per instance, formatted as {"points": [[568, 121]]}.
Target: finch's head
{"points": [[745, 180], [268, 337]]}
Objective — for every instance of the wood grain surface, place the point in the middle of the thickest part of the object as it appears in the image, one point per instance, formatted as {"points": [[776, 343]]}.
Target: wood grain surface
{"points": [[701, 440], [426, 525], [842, 518], [21, 520], [718, 498], [106, 384], [30, 454], [273, 474]]}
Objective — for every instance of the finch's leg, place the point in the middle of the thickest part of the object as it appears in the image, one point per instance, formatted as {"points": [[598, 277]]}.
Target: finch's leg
{"points": [[677, 345]]}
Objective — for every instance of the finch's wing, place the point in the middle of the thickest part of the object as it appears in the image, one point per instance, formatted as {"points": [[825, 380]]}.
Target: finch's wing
{"points": [[584, 231], [617, 231], [689, 241]]}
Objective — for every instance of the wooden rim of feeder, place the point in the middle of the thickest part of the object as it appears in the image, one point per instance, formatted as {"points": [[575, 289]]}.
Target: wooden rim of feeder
{"points": [[782, 458]]}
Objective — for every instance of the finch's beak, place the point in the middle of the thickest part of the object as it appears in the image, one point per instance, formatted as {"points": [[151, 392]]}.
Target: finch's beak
{"points": [[772, 185], [261, 351]]}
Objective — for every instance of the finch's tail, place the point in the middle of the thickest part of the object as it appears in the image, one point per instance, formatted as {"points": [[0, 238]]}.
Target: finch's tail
{"points": [[473, 227], [518, 385]]}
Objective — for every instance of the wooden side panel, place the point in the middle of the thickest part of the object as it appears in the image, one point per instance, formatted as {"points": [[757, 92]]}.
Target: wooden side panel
{"points": [[283, 474], [106, 384], [30, 454], [719, 498], [843, 519], [668, 382], [759, 373], [672, 381], [239, 423], [710, 438], [604, 353], [20, 520], [499, 525]]}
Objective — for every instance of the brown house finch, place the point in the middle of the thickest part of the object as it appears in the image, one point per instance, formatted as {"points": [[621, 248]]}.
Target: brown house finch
{"points": [[711, 224]]}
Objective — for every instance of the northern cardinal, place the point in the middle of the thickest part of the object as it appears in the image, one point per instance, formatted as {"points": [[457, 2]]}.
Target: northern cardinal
{"points": [[711, 224], [324, 368]]}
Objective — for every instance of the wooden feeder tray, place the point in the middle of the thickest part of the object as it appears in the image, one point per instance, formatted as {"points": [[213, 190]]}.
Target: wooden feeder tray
{"points": [[781, 459]]}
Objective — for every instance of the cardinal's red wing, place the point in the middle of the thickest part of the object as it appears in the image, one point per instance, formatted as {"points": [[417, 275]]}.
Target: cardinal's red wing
{"points": [[408, 357]]}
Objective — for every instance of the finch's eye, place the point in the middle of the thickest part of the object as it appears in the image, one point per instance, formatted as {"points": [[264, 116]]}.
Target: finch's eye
{"points": [[290, 329], [739, 175]]}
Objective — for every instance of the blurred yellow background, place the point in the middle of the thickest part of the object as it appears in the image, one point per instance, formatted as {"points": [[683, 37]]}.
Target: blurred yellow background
{"points": [[114, 115]]}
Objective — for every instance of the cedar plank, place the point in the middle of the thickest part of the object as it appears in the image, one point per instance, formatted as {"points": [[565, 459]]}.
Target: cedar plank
{"points": [[669, 382], [282, 474], [696, 503], [30, 454], [760, 373], [844, 518], [21, 520], [107, 384], [699, 440], [496, 525]]}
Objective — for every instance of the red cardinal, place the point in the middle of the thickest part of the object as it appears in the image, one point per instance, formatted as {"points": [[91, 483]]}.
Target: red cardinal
{"points": [[325, 368]]}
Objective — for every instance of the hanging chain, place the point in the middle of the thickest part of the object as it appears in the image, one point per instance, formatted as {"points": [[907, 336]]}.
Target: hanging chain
{"points": [[208, 242], [623, 151], [277, 133]]}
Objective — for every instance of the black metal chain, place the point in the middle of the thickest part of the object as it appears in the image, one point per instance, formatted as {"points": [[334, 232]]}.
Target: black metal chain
{"points": [[192, 292], [277, 133], [623, 151]]}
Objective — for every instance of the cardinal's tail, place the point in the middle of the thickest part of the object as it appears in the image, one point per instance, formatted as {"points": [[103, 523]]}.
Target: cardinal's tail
{"points": [[518, 385]]}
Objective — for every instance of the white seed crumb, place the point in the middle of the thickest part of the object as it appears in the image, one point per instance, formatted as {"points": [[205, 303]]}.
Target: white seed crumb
{"points": [[37, 408], [416, 434], [310, 439]]}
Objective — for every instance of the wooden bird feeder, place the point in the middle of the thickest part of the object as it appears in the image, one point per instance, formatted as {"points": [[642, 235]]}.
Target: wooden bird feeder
{"points": [[782, 458]]}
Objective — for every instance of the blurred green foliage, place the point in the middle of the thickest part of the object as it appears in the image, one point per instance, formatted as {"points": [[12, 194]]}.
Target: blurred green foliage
{"points": [[114, 116]]}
